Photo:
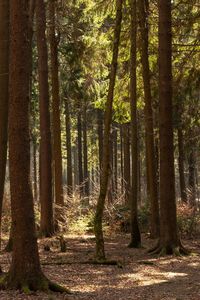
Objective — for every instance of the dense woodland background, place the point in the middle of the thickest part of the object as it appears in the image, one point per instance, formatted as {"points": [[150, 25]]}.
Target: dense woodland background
{"points": [[99, 129]]}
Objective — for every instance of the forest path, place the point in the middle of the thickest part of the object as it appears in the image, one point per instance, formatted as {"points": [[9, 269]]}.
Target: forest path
{"points": [[137, 276]]}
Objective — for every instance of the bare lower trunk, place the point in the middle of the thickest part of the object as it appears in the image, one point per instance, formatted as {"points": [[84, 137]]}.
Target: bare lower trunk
{"points": [[126, 147], [100, 252], [80, 154], [69, 149], [46, 200], [25, 267], [149, 132], [181, 166], [191, 180], [135, 232], [4, 70], [57, 152], [85, 154], [169, 241]]}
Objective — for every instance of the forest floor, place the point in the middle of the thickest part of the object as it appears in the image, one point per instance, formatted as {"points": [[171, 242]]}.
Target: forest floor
{"points": [[137, 275]]}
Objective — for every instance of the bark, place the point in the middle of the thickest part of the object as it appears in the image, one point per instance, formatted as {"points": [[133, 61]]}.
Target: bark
{"points": [[127, 168], [46, 199], [4, 73], [25, 272], [75, 156], [100, 135], [169, 241], [181, 166], [110, 192], [25, 267], [69, 149], [85, 154], [191, 179], [135, 232], [115, 161], [57, 153], [35, 187], [149, 132], [80, 153], [122, 158], [100, 252]]}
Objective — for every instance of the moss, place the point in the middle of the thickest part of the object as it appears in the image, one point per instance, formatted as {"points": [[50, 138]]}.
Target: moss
{"points": [[26, 289]]}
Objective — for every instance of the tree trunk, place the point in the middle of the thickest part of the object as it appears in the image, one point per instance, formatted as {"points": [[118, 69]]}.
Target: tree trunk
{"points": [[149, 133], [46, 200], [169, 242], [181, 166], [115, 160], [122, 158], [85, 154], [4, 69], [25, 272], [191, 179], [25, 269], [35, 186], [135, 232], [127, 168], [69, 149], [57, 153], [100, 135], [80, 154], [100, 252]]}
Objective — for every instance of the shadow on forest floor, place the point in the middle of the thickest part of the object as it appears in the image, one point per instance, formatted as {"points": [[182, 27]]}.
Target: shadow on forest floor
{"points": [[138, 276]]}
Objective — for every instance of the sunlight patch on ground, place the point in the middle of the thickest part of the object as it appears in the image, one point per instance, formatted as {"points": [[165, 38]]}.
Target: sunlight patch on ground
{"points": [[154, 277]]}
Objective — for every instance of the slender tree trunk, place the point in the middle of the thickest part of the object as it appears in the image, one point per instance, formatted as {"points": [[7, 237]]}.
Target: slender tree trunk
{"points": [[181, 166], [35, 187], [115, 161], [75, 156], [127, 167], [100, 135], [122, 158], [169, 242], [85, 154], [69, 149], [80, 153], [135, 232], [191, 179], [46, 200], [110, 192], [100, 252], [57, 153], [149, 133], [4, 70]]}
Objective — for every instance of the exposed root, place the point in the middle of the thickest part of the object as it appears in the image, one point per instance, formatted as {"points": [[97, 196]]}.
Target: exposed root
{"points": [[169, 250], [151, 250], [54, 287], [43, 284]]}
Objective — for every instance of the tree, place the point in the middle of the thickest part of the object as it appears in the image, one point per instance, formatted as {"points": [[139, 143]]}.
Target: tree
{"points": [[69, 148], [57, 152], [126, 172], [135, 232], [100, 252], [169, 241], [149, 134], [25, 272], [46, 220], [4, 73], [181, 164]]}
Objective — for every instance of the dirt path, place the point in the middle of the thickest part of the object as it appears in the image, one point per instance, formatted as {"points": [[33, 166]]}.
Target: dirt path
{"points": [[137, 276]]}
